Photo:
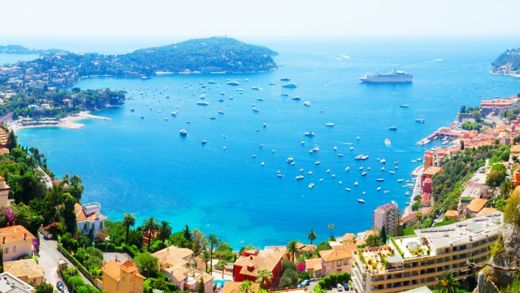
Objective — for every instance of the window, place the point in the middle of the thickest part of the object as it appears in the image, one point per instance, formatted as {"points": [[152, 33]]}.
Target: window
{"points": [[14, 249], [338, 263], [6, 251]]}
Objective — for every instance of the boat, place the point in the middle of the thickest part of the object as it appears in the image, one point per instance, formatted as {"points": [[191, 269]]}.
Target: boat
{"points": [[378, 188], [361, 157], [142, 117], [297, 98], [314, 150], [404, 106], [299, 177], [420, 120], [203, 142], [285, 79], [289, 86], [347, 169], [382, 161], [290, 160], [400, 180], [256, 110], [132, 110], [262, 163], [356, 183], [380, 179], [364, 173], [233, 83], [360, 200], [317, 163], [174, 114], [329, 124], [309, 133], [284, 95], [202, 103], [392, 128], [183, 132], [348, 189], [394, 77], [307, 103], [391, 172], [387, 141], [311, 185], [255, 88]]}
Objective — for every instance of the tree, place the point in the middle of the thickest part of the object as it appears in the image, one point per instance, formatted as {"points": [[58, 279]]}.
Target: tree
{"points": [[292, 249], [128, 221], [149, 227], [147, 264], [373, 241], [187, 233], [383, 234], [213, 241], [200, 288], [448, 283], [312, 236], [495, 178], [331, 229], [69, 216], [44, 288], [512, 209], [264, 277], [11, 140], [221, 265], [246, 287], [165, 230]]}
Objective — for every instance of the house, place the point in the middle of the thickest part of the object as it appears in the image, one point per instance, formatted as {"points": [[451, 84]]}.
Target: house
{"points": [[122, 277], [426, 199], [178, 264], [89, 219], [12, 284], [315, 266], [338, 259], [515, 151], [26, 270], [476, 205], [486, 211], [4, 193], [234, 287], [386, 216], [16, 242], [451, 214], [250, 262]]}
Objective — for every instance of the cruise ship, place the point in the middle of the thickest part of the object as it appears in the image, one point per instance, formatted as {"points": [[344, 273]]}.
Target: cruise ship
{"points": [[392, 77]]}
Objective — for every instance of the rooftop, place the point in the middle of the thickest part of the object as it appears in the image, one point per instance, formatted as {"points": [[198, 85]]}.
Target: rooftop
{"points": [[476, 205], [14, 234], [11, 284], [24, 268]]}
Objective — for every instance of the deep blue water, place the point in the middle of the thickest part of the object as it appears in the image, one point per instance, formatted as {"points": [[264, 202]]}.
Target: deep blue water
{"points": [[143, 166]]}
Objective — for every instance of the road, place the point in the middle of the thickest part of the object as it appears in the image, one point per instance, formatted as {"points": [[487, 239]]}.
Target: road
{"points": [[49, 257]]}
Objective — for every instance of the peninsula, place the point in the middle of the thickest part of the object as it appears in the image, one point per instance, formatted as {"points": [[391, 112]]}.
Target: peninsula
{"points": [[508, 63], [40, 89]]}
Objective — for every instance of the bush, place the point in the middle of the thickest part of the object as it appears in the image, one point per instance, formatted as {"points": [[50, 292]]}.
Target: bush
{"points": [[44, 288], [74, 281], [511, 211], [147, 264]]}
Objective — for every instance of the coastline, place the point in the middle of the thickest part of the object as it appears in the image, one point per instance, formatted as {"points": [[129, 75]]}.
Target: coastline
{"points": [[69, 122]]}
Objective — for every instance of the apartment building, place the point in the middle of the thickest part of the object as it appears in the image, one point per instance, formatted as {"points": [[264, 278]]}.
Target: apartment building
{"points": [[409, 262]]}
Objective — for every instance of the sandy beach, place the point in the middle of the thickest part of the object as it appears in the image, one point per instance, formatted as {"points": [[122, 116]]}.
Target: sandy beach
{"points": [[69, 122]]}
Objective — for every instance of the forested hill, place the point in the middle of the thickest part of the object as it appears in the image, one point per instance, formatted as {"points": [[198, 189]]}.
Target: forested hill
{"points": [[216, 54], [507, 63], [17, 49]]}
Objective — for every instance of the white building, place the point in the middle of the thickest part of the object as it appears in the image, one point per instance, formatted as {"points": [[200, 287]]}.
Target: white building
{"points": [[11, 284], [89, 219]]}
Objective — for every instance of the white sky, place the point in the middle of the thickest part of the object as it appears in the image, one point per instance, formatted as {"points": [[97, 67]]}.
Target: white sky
{"points": [[260, 18]]}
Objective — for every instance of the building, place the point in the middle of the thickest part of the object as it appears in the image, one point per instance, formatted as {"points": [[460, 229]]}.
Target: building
{"points": [[122, 277], [89, 219], [451, 214], [387, 216], [406, 263], [427, 178], [11, 284], [234, 287], [16, 242], [179, 265], [4, 193], [315, 266], [251, 261], [475, 206], [26, 270], [338, 259]]}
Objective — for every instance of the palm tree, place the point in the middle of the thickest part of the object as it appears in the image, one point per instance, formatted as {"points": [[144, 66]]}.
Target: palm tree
{"points": [[246, 287], [128, 221], [263, 277], [312, 236], [221, 265], [205, 257], [448, 283], [149, 226], [292, 249], [213, 242], [164, 231], [331, 228]]}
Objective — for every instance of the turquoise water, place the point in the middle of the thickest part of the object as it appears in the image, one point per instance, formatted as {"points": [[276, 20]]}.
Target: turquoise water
{"points": [[143, 166]]}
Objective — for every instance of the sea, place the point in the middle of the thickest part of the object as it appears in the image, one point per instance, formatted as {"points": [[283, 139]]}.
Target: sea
{"points": [[239, 185]]}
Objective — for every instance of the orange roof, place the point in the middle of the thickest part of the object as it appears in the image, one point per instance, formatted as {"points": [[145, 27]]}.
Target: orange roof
{"points": [[451, 214], [263, 260], [515, 149], [486, 211], [113, 269], [432, 170], [348, 237], [24, 268], [14, 234], [234, 287], [476, 205], [313, 264], [337, 253]]}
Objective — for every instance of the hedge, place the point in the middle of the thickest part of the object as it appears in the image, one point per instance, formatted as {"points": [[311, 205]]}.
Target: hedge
{"points": [[76, 263]]}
